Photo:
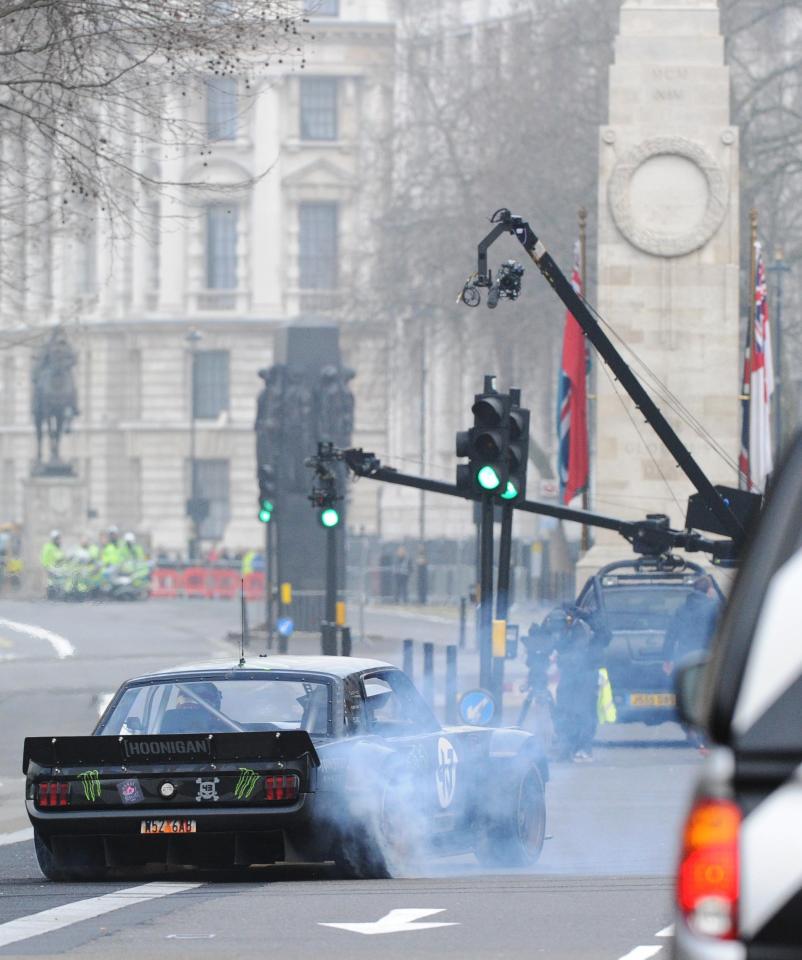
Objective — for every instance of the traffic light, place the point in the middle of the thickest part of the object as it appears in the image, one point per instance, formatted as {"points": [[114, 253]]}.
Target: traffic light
{"points": [[485, 444], [329, 517], [267, 493], [517, 450]]}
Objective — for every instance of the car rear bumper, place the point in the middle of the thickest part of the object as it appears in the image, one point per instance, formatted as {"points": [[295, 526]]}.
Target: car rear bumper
{"points": [[690, 946]]}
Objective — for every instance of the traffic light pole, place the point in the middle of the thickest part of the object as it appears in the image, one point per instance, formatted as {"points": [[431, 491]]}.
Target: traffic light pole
{"points": [[486, 594], [328, 633], [502, 592], [270, 576]]}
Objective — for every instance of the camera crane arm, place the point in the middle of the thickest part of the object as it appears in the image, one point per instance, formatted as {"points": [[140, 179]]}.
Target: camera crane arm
{"points": [[651, 536], [505, 222]]}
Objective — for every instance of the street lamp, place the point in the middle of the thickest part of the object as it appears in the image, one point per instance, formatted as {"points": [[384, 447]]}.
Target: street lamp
{"points": [[193, 338]]}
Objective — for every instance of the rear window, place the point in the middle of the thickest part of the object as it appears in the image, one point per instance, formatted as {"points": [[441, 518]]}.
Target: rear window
{"points": [[222, 706]]}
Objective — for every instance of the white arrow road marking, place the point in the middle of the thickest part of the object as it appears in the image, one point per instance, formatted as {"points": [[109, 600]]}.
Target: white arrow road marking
{"points": [[396, 921], [641, 953], [47, 921], [19, 836], [666, 931], [61, 645]]}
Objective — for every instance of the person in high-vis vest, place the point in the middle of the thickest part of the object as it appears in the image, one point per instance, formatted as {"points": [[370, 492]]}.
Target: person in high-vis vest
{"points": [[247, 562], [111, 555], [52, 554]]}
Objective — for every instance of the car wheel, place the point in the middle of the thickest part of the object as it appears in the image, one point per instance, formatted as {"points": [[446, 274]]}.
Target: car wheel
{"points": [[514, 835], [61, 868]]}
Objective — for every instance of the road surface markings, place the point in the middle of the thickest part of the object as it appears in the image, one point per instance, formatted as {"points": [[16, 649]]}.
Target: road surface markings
{"points": [[645, 952], [641, 953], [48, 921], [61, 645], [396, 921], [18, 836]]}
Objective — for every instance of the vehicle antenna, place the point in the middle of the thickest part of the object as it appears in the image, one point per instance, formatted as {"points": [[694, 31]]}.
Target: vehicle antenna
{"points": [[243, 623]]}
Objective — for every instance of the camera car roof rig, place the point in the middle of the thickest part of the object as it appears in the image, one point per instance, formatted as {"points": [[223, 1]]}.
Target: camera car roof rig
{"points": [[715, 509], [650, 537]]}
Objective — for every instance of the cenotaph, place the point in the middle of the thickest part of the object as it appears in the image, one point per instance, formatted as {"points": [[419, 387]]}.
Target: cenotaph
{"points": [[667, 258]]}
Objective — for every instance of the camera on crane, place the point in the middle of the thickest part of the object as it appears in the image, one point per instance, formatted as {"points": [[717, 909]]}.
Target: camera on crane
{"points": [[506, 286]]}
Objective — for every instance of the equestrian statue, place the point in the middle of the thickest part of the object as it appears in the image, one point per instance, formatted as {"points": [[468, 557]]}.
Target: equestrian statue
{"points": [[54, 398]]}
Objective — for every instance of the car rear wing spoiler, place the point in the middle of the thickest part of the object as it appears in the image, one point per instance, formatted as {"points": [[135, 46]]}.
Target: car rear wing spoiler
{"points": [[168, 748]]}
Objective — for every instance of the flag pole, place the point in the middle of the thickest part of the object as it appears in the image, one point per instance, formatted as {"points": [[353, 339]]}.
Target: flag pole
{"points": [[583, 224]]}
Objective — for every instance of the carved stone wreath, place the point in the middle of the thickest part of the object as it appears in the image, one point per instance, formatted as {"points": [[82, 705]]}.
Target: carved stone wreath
{"points": [[652, 240]]}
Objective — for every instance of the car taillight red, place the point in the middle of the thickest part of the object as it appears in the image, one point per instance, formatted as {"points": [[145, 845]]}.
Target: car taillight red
{"points": [[708, 881], [281, 786], [52, 793]]}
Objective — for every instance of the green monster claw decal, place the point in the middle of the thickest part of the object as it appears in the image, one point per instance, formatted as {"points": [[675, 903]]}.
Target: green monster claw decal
{"points": [[246, 783], [91, 783]]}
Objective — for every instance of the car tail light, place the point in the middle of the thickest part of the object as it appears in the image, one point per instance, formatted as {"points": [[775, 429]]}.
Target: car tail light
{"points": [[708, 881], [281, 786], [52, 793]]}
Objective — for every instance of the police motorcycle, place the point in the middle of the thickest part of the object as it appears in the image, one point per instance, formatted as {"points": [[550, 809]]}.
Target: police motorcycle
{"points": [[129, 580]]}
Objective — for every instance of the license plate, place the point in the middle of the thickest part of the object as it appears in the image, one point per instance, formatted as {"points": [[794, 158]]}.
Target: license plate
{"points": [[169, 826], [652, 700]]}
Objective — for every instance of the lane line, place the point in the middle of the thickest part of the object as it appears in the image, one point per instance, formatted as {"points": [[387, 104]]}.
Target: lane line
{"points": [[48, 921], [61, 645], [641, 953], [18, 836], [666, 931]]}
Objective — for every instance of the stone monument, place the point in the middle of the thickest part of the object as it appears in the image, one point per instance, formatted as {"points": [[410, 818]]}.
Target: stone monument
{"points": [[55, 497], [667, 257]]}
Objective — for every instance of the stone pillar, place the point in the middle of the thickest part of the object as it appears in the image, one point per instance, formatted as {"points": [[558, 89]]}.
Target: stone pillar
{"points": [[667, 256], [50, 503]]}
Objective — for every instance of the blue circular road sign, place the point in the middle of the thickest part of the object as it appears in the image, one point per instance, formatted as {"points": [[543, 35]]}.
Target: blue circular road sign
{"points": [[477, 707], [285, 626]]}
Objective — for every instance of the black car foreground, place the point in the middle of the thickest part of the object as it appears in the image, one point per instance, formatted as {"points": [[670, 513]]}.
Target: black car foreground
{"points": [[284, 759]]}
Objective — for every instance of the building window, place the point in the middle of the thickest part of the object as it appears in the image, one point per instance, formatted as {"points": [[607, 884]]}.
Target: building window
{"points": [[210, 384], [221, 247], [318, 108], [212, 484], [322, 8], [317, 246], [221, 108]]}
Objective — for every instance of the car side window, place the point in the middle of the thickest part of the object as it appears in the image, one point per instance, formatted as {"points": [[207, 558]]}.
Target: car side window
{"points": [[393, 707]]}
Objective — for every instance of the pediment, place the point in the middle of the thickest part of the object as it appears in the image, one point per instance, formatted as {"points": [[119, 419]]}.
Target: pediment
{"points": [[318, 173]]}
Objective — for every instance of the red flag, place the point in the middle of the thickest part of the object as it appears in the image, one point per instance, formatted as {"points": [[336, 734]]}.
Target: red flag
{"points": [[572, 411]]}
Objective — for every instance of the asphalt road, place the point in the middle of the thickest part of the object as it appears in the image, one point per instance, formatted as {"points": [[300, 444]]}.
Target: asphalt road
{"points": [[601, 890]]}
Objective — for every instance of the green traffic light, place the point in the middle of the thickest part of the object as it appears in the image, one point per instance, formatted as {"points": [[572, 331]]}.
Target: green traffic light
{"points": [[488, 478], [329, 517], [265, 516], [511, 492]]}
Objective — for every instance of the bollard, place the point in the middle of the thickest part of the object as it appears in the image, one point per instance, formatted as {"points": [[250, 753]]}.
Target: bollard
{"points": [[345, 641], [408, 649], [463, 603], [428, 673], [451, 684]]}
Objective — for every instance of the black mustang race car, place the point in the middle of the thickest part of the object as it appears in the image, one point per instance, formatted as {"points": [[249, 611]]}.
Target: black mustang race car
{"points": [[304, 759]]}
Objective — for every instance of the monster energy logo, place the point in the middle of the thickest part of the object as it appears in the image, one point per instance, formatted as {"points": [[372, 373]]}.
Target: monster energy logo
{"points": [[246, 783], [91, 783]]}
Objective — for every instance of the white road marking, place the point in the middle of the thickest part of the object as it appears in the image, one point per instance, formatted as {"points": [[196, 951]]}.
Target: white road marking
{"points": [[47, 921], [641, 953], [18, 836], [61, 645], [666, 931], [396, 921]]}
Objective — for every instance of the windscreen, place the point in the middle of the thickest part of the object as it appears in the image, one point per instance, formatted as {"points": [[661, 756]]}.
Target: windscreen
{"points": [[222, 706], [643, 608]]}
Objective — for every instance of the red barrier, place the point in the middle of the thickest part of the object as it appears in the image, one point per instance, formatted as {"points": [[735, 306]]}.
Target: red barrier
{"points": [[165, 582], [225, 583], [198, 583], [254, 586]]}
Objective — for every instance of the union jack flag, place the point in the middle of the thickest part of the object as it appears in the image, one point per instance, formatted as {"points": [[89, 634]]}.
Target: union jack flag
{"points": [[756, 460], [572, 404]]}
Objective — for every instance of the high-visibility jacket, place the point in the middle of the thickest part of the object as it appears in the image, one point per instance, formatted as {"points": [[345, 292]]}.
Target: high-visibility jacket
{"points": [[112, 555], [52, 554], [94, 552], [605, 706], [247, 562], [132, 551]]}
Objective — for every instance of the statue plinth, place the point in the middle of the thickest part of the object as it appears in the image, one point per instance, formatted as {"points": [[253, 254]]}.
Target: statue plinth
{"points": [[51, 502], [54, 468]]}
